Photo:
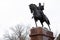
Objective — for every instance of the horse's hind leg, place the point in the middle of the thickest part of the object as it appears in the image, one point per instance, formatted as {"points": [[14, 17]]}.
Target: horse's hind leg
{"points": [[49, 28], [41, 24]]}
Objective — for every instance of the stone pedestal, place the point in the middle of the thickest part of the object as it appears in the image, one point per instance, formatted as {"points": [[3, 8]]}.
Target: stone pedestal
{"points": [[41, 34]]}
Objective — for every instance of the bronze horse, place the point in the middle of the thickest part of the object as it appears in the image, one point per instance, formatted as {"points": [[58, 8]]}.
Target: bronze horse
{"points": [[38, 14]]}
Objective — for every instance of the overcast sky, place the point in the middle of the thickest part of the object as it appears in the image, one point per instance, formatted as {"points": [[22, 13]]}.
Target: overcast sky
{"points": [[13, 12]]}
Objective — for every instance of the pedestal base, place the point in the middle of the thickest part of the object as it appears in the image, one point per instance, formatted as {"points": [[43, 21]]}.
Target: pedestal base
{"points": [[41, 34]]}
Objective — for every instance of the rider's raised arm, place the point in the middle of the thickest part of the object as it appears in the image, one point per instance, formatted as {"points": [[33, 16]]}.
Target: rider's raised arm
{"points": [[43, 4]]}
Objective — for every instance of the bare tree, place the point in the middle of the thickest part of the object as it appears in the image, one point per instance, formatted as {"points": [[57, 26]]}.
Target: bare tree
{"points": [[20, 32], [7, 36]]}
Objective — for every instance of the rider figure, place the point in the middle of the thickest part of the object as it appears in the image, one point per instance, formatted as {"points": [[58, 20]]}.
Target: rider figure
{"points": [[41, 7]]}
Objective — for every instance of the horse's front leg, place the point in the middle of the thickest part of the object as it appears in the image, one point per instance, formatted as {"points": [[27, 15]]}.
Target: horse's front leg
{"points": [[36, 23]]}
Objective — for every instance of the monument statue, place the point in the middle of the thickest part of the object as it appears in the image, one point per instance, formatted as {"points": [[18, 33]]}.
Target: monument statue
{"points": [[38, 14]]}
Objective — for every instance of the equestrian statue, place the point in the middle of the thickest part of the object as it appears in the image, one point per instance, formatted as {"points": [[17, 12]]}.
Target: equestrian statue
{"points": [[38, 14]]}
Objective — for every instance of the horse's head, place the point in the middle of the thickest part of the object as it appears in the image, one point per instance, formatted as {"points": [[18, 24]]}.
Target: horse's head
{"points": [[32, 7]]}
